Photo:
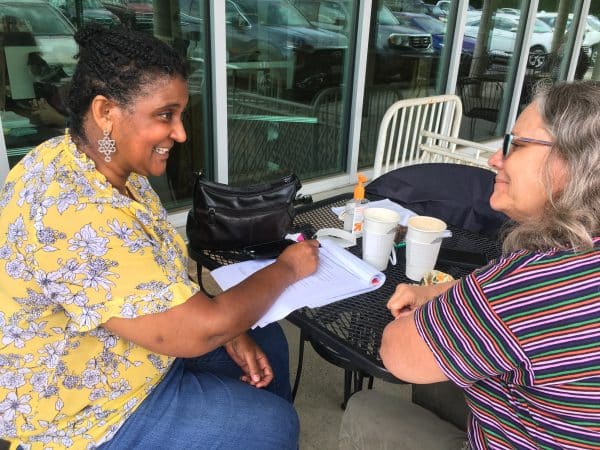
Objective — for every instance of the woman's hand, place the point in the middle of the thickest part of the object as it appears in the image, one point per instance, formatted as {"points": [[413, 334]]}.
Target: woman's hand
{"points": [[410, 296], [302, 258], [43, 113], [251, 359], [406, 298]]}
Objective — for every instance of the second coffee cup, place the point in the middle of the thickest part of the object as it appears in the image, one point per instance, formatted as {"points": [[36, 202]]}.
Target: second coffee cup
{"points": [[423, 240]]}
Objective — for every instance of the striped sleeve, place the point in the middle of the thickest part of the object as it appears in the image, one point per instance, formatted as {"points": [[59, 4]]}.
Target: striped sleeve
{"points": [[522, 337], [535, 315], [467, 337]]}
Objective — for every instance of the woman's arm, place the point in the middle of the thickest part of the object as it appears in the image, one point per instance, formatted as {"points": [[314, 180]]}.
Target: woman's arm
{"points": [[202, 324], [403, 351], [406, 355]]}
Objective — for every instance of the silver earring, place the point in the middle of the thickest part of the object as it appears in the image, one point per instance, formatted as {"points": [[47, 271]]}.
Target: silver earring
{"points": [[106, 146]]}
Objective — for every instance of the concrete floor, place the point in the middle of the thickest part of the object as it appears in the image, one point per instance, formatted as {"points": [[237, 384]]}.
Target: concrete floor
{"points": [[321, 390], [321, 393]]}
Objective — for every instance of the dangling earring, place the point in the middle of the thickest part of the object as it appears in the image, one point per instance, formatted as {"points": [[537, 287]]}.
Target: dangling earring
{"points": [[106, 146]]}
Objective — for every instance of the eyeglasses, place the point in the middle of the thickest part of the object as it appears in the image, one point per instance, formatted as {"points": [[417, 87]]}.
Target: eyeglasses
{"points": [[510, 138]]}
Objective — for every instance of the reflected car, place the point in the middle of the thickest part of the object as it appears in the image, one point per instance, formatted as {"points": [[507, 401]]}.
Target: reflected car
{"points": [[38, 57], [92, 11], [502, 37], [51, 30], [591, 36], [435, 27], [138, 14], [397, 47], [274, 41], [415, 6], [513, 11], [442, 9]]}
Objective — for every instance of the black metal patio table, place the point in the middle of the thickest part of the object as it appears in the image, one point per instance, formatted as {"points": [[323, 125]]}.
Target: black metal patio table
{"points": [[348, 332]]}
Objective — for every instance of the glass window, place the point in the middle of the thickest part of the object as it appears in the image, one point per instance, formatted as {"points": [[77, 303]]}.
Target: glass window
{"points": [[286, 96], [405, 48], [484, 79], [38, 60]]}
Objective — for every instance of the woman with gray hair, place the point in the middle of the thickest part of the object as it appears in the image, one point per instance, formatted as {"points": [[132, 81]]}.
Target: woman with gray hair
{"points": [[521, 336]]}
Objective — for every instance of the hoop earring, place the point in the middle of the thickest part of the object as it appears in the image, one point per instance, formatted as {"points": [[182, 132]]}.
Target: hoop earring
{"points": [[106, 146]]}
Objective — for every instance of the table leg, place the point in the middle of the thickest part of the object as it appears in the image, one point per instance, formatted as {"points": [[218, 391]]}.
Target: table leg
{"points": [[299, 366], [347, 387]]}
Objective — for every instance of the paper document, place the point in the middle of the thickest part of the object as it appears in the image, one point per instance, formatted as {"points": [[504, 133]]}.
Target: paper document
{"points": [[340, 275]]}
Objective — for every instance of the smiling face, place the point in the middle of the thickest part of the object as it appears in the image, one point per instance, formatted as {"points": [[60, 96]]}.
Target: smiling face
{"points": [[146, 130], [519, 190]]}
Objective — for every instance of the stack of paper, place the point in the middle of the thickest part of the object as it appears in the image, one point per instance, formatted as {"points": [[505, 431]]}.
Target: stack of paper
{"points": [[340, 275]]}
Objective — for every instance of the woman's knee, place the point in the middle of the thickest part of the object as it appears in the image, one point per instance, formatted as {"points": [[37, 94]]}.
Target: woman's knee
{"points": [[284, 428]]}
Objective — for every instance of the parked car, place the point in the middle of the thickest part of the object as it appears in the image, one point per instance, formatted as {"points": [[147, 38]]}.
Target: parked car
{"points": [[273, 39], [394, 43], [37, 51], [139, 14], [52, 31], [513, 11], [503, 35], [415, 6], [92, 11], [435, 27], [442, 9], [591, 36]]}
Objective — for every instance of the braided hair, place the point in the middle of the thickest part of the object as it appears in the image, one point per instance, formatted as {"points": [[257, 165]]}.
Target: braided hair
{"points": [[117, 63]]}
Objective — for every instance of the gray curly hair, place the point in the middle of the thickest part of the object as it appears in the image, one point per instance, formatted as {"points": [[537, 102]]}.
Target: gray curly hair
{"points": [[571, 114]]}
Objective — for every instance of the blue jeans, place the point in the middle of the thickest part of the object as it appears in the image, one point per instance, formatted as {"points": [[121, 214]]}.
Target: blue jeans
{"points": [[202, 404]]}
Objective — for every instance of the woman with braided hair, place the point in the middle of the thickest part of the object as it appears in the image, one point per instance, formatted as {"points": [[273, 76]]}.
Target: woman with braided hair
{"points": [[106, 342]]}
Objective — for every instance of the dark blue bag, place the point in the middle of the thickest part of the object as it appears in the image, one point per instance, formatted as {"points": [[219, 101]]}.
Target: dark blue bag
{"points": [[455, 193]]}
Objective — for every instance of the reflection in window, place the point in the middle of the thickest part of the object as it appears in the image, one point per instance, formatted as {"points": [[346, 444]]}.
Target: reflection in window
{"points": [[37, 54], [285, 99], [404, 53]]}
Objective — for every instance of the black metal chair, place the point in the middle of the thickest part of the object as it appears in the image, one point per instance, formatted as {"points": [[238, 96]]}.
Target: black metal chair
{"points": [[481, 99]]}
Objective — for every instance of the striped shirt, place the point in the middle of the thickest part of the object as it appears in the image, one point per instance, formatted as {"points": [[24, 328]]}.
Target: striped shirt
{"points": [[522, 338]]}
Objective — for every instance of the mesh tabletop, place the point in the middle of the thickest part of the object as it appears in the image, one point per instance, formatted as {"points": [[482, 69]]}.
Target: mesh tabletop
{"points": [[352, 328]]}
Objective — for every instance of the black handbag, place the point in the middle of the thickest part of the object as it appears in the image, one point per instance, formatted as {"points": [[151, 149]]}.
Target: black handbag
{"points": [[225, 217]]}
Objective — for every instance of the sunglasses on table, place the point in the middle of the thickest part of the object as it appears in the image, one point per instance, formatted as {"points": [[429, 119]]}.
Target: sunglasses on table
{"points": [[510, 138]]}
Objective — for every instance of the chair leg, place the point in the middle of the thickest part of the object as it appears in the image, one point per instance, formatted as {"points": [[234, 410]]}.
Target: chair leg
{"points": [[201, 282], [299, 366], [347, 387], [472, 127], [353, 382], [370, 384], [358, 380]]}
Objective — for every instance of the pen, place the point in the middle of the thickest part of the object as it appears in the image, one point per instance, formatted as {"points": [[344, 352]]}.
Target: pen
{"points": [[314, 237]]}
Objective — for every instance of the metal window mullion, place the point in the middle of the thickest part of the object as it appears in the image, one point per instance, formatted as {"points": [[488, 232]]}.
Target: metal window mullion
{"points": [[218, 74], [458, 34], [358, 83], [519, 78], [582, 8]]}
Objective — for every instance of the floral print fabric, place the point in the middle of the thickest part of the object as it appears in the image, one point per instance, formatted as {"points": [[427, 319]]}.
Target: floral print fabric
{"points": [[74, 252]]}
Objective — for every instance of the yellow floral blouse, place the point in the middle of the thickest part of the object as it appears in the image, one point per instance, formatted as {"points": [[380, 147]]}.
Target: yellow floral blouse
{"points": [[74, 252]]}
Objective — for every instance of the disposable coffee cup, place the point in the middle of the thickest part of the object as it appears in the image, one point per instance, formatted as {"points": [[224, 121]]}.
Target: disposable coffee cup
{"points": [[425, 229], [424, 236], [379, 230], [420, 258]]}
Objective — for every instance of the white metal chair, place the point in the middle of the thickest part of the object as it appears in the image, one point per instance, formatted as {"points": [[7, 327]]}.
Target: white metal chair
{"points": [[402, 126], [441, 148]]}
